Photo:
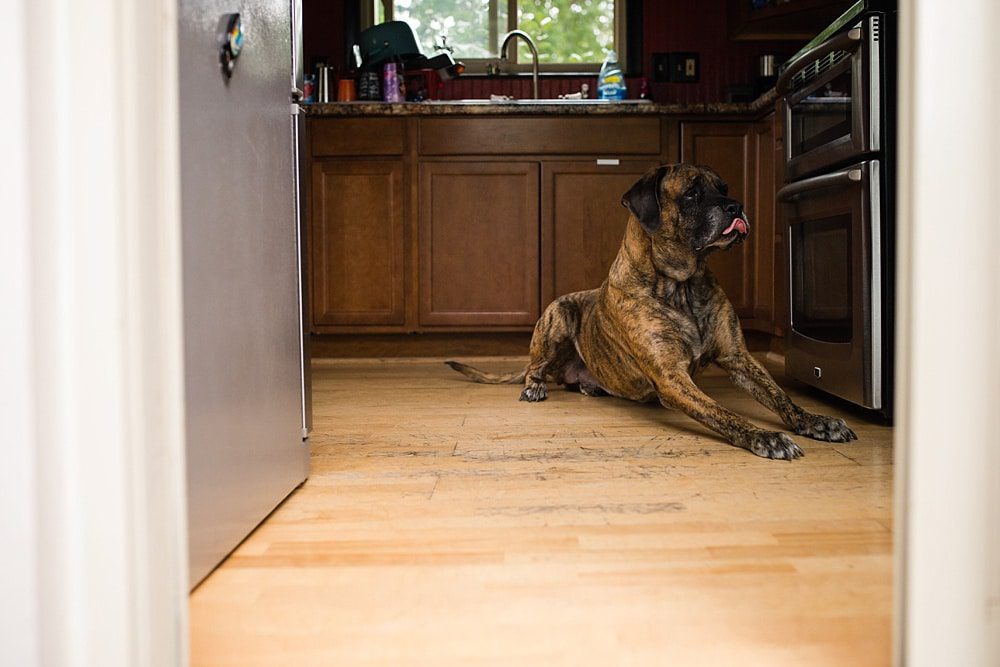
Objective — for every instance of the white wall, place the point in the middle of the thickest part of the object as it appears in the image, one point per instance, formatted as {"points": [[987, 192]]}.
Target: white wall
{"points": [[948, 469], [94, 552]]}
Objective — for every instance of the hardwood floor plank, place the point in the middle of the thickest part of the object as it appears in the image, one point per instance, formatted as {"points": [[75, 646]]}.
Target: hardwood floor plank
{"points": [[446, 523]]}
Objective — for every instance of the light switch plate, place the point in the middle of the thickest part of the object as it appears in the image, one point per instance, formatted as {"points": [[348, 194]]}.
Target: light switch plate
{"points": [[661, 67], [684, 67]]}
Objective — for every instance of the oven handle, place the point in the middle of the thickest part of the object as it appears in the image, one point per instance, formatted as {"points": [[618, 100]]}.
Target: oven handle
{"points": [[839, 42], [793, 190]]}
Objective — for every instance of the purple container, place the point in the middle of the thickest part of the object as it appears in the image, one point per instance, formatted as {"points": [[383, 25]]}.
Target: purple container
{"points": [[390, 83]]}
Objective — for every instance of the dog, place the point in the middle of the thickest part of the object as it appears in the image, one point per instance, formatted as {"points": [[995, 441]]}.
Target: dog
{"points": [[661, 316]]}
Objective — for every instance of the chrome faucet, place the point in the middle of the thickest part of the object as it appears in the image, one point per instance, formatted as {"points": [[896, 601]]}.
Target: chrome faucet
{"points": [[508, 38]]}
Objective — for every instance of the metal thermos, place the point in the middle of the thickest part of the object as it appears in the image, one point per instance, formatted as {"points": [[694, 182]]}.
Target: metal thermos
{"points": [[323, 84], [767, 73], [766, 65]]}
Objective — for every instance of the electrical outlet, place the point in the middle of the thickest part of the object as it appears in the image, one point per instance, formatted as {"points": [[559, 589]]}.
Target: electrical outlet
{"points": [[684, 67]]}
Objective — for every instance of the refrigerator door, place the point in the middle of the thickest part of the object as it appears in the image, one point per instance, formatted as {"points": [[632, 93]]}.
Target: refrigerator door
{"points": [[242, 324], [298, 141]]}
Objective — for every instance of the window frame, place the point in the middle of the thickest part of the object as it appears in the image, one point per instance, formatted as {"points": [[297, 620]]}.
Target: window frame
{"points": [[479, 65]]}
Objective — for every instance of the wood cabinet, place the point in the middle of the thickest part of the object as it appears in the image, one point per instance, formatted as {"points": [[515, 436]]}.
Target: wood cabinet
{"points": [[782, 314], [467, 223], [477, 223], [747, 156], [725, 147], [789, 20], [542, 135], [478, 243], [357, 243], [583, 221], [763, 181]]}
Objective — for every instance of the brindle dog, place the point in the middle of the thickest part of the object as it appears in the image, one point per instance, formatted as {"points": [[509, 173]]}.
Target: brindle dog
{"points": [[661, 316]]}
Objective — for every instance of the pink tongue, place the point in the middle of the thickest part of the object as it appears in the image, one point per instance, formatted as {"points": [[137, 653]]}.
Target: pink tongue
{"points": [[738, 223]]}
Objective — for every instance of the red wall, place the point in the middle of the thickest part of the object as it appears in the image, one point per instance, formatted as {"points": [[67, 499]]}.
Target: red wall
{"points": [[682, 25], [323, 33], [668, 25]]}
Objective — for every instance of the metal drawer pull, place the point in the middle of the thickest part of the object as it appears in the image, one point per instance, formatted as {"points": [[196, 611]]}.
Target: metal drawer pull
{"points": [[818, 182], [608, 162]]}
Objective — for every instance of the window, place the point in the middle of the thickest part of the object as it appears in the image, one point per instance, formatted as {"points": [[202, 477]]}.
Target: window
{"points": [[570, 35]]}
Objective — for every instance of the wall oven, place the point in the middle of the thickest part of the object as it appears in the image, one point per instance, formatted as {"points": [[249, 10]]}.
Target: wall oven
{"points": [[837, 203], [832, 107]]}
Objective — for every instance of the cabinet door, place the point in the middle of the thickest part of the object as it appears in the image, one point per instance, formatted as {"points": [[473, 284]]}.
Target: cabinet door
{"points": [[764, 293], [583, 221], [357, 243], [725, 147], [781, 263], [478, 243]]}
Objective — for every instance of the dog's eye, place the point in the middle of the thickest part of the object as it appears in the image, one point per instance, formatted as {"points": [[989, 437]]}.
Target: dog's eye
{"points": [[691, 194], [723, 189]]}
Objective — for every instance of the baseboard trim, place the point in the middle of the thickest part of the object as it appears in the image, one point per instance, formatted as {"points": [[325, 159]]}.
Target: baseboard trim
{"points": [[356, 346]]}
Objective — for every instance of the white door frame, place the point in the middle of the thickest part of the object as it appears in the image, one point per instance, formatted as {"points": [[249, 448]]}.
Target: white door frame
{"points": [[91, 381], [948, 352], [91, 378]]}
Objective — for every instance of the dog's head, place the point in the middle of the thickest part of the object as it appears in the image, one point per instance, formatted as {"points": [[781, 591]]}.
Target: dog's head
{"points": [[687, 207]]}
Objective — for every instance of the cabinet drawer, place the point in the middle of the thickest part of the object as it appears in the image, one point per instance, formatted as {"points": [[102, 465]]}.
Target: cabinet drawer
{"points": [[356, 136], [558, 135]]}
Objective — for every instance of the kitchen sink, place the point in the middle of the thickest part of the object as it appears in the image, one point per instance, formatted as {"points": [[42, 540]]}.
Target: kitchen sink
{"points": [[482, 101]]}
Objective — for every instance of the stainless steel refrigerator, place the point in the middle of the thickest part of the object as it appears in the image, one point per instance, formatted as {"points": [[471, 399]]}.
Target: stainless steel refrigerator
{"points": [[246, 379]]}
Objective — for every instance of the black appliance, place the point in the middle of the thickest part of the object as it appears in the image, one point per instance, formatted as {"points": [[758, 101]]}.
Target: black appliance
{"points": [[838, 202], [394, 41]]}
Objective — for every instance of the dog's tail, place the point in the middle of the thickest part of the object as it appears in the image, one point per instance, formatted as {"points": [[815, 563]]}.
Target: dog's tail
{"points": [[477, 375]]}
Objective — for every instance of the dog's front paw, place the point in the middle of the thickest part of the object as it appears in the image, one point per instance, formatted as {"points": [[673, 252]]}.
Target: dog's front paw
{"points": [[534, 393], [830, 429], [773, 445]]}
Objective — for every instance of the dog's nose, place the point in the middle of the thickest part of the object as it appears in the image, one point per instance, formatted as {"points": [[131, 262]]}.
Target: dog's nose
{"points": [[732, 208]]}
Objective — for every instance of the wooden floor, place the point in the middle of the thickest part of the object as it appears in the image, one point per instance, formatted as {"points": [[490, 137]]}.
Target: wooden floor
{"points": [[446, 523]]}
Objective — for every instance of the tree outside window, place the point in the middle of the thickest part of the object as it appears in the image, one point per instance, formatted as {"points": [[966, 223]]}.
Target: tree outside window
{"points": [[571, 35]]}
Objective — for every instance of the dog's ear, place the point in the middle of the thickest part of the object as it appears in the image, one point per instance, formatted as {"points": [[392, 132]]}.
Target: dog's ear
{"points": [[643, 200]]}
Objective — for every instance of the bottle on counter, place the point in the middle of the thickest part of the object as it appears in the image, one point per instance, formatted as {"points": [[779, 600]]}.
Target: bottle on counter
{"points": [[369, 88], [611, 80], [390, 83], [309, 89]]}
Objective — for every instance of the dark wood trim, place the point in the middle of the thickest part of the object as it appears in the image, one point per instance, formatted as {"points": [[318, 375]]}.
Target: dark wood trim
{"points": [[634, 53], [791, 20]]}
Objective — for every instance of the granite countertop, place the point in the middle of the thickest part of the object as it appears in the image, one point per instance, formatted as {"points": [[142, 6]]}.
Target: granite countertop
{"points": [[443, 108]]}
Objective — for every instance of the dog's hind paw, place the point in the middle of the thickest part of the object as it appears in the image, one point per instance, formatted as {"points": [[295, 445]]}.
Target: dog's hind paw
{"points": [[773, 445], [534, 393], [592, 389], [830, 429]]}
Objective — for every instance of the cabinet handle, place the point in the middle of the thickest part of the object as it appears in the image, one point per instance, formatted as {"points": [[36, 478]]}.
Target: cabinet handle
{"points": [[608, 162]]}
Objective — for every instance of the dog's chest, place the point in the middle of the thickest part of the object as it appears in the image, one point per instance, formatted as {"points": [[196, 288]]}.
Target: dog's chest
{"points": [[689, 316]]}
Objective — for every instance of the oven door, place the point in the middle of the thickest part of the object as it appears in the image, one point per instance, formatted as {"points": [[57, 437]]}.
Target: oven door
{"points": [[832, 101], [835, 335]]}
